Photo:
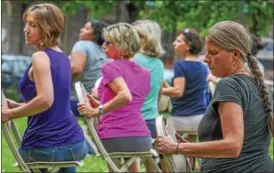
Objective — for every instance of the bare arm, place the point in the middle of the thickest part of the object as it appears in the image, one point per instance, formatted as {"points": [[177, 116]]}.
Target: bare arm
{"points": [[13, 104], [177, 90], [230, 146], [77, 62], [44, 88], [160, 92], [123, 97]]}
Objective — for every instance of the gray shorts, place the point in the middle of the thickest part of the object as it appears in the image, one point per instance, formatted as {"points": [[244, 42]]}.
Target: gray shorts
{"points": [[128, 144]]}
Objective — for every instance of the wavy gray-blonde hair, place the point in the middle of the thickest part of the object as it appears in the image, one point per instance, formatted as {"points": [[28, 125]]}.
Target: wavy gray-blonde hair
{"points": [[230, 35], [123, 36], [151, 34]]}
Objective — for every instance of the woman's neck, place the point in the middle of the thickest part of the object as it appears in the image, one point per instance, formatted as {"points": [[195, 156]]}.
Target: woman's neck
{"points": [[243, 70], [190, 58]]}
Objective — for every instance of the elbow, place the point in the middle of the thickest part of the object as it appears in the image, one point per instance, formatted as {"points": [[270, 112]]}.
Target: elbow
{"points": [[126, 97], [75, 71], [179, 93], [235, 148], [45, 102]]}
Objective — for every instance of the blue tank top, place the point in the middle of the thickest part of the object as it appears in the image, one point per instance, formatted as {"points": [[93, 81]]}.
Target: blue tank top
{"points": [[55, 126]]}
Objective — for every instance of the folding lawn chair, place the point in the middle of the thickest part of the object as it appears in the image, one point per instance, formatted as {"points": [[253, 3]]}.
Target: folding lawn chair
{"points": [[126, 159], [88, 136], [175, 163], [14, 141]]}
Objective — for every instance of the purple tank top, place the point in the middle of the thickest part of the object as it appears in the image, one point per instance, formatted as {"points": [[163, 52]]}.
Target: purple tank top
{"points": [[56, 126]]}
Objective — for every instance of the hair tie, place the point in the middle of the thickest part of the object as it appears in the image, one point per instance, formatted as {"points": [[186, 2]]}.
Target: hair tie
{"points": [[248, 55]]}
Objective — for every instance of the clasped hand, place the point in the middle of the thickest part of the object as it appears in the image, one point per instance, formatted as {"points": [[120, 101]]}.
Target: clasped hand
{"points": [[166, 145], [90, 108], [6, 111]]}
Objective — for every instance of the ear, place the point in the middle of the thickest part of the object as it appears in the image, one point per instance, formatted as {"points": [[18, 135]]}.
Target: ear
{"points": [[236, 53]]}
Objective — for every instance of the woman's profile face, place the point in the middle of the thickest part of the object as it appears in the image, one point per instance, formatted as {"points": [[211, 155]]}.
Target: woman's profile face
{"points": [[219, 60], [86, 33], [32, 31], [110, 50], [181, 47]]}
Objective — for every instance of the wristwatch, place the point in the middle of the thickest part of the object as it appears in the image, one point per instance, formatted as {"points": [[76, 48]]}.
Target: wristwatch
{"points": [[101, 110]]}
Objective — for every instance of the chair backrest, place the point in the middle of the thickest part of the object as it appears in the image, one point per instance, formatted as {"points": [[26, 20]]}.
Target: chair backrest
{"points": [[11, 136], [82, 97], [175, 163], [91, 123]]}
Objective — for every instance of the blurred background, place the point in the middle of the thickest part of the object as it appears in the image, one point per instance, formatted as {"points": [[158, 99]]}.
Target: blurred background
{"points": [[172, 15]]}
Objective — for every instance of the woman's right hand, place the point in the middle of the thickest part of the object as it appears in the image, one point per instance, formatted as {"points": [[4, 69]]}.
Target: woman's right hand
{"points": [[13, 104], [86, 110]]}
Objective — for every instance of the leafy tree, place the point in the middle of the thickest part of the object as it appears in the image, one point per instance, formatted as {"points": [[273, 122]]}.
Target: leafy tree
{"points": [[174, 15]]}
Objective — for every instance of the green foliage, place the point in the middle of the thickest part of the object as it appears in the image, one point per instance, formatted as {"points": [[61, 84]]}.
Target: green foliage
{"points": [[97, 9], [259, 15], [175, 15]]}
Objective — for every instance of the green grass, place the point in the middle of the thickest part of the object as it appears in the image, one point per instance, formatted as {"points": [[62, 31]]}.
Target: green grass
{"points": [[91, 163]]}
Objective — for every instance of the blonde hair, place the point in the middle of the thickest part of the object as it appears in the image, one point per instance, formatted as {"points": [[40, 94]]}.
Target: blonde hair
{"points": [[150, 32], [123, 36], [231, 35], [50, 20]]}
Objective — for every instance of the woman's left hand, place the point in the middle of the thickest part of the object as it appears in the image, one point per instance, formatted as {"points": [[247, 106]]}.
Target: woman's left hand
{"points": [[165, 145], [86, 110], [6, 111]]}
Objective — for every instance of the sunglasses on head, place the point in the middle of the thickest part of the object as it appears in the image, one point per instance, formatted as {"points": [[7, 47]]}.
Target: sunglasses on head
{"points": [[187, 35]]}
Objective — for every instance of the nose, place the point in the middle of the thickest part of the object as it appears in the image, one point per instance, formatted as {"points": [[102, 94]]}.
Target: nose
{"points": [[104, 45], [26, 29], [174, 43], [206, 58]]}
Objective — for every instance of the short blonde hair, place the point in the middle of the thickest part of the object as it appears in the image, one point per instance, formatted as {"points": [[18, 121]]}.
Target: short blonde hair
{"points": [[123, 36], [50, 20], [151, 33]]}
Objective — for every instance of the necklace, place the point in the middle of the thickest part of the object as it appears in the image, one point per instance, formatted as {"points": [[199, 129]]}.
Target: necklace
{"points": [[244, 71]]}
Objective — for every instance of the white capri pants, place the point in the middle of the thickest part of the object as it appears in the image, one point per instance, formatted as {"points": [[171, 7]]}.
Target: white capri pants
{"points": [[185, 123]]}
